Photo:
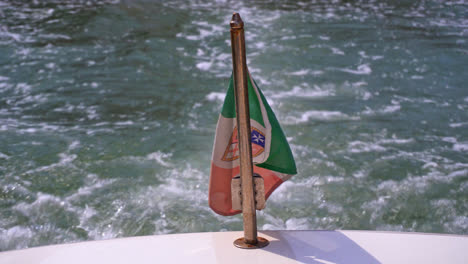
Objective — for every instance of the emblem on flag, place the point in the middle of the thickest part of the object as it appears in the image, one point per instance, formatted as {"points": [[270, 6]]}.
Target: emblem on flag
{"points": [[257, 139]]}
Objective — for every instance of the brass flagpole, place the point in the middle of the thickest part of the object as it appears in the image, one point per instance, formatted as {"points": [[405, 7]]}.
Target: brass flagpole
{"points": [[239, 63]]}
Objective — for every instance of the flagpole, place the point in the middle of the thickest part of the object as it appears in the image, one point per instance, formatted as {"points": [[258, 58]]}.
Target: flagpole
{"points": [[250, 239]]}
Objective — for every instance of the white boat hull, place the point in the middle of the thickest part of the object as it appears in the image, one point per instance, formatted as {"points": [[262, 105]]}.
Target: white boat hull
{"points": [[285, 247]]}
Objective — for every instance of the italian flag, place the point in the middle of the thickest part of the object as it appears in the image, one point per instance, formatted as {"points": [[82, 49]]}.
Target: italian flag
{"points": [[272, 157]]}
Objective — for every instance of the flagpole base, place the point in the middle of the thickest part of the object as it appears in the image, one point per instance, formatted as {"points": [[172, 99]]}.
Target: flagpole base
{"points": [[261, 242]]}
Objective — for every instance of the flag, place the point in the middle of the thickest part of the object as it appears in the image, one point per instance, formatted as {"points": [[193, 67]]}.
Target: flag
{"points": [[272, 157]]}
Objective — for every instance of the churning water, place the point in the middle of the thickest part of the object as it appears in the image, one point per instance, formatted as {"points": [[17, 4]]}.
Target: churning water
{"points": [[108, 111]]}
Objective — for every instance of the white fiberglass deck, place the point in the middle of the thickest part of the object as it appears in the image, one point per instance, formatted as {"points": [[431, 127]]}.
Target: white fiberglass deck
{"points": [[285, 247]]}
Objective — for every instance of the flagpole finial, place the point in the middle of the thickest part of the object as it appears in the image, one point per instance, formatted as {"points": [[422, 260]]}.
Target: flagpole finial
{"points": [[236, 21]]}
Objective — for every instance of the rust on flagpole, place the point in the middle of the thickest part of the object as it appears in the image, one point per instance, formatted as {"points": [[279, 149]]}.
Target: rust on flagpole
{"points": [[239, 63]]}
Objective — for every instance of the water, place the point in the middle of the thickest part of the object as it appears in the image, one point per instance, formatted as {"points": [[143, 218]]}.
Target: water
{"points": [[108, 111]]}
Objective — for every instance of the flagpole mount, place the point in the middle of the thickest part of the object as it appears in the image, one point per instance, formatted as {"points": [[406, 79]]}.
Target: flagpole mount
{"points": [[241, 243]]}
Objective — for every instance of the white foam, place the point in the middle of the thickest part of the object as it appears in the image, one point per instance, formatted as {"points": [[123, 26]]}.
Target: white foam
{"points": [[329, 179], [92, 183], [420, 183], [366, 95], [461, 147], [75, 144], [14, 36], [101, 124], [358, 84], [23, 87], [363, 54], [204, 66], [92, 112], [320, 116], [394, 107], [458, 225], [360, 174], [16, 237], [298, 91], [362, 69], [332, 208], [200, 52], [449, 139], [322, 37], [275, 223], [35, 99], [260, 45], [42, 199], [44, 127], [205, 30], [428, 101], [300, 72], [297, 224], [124, 123], [459, 173], [100, 130], [430, 165], [303, 72], [5, 86], [395, 140], [360, 147], [50, 65], [184, 188], [86, 214], [458, 124], [300, 150], [337, 51], [68, 108], [160, 157], [65, 159], [215, 96], [288, 37], [4, 156]]}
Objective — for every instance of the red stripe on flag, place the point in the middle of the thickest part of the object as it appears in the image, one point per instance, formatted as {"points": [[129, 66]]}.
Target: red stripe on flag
{"points": [[220, 187]]}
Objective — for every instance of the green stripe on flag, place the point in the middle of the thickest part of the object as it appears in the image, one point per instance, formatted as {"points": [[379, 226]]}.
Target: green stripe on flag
{"points": [[280, 158], [229, 106]]}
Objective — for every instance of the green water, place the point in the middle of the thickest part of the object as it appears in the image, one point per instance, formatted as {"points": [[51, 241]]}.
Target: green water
{"points": [[108, 111]]}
